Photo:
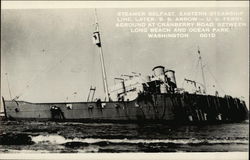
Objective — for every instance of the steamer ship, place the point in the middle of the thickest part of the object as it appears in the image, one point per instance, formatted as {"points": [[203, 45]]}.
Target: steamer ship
{"points": [[152, 98]]}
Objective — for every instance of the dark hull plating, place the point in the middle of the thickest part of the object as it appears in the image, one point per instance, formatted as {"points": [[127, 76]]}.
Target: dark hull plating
{"points": [[182, 108]]}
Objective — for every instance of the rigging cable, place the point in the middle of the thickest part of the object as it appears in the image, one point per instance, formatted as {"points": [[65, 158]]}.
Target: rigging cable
{"points": [[215, 80], [46, 69], [193, 71], [196, 67], [8, 85]]}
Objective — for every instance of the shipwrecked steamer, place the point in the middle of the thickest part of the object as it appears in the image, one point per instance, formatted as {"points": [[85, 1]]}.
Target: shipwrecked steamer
{"points": [[137, 99]]}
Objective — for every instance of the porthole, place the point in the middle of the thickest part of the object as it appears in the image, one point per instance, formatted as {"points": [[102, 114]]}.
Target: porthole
{"points": [[16, 109], [117, 106], [90, 107], [69, 106]]}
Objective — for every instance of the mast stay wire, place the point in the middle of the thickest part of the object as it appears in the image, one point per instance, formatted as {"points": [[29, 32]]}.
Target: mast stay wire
{"points": [[45, 70], [94, 60], [196, 68], [193, 71], [97, 29], [216, 81], [8, 84], [209, 71]]}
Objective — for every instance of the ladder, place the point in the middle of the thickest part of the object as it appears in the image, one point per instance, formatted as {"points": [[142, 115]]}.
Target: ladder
{"points": [[92, 93]]}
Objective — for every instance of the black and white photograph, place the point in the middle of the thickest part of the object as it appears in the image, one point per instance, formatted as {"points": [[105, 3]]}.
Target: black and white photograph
{"points": [[124, 77]]}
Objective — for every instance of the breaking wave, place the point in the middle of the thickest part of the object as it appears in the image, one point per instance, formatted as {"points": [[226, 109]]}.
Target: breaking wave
{"points": [[57, 139]]}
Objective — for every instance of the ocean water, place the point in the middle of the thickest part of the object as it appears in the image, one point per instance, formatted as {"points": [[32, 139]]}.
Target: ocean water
{"points": [[65, 137]]}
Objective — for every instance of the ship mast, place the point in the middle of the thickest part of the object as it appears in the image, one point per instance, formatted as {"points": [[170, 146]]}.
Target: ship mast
{"points": [[202, 71], [97, 41]]}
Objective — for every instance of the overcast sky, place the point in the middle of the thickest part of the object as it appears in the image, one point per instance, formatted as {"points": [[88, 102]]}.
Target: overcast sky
{"points": [[48, 55]]}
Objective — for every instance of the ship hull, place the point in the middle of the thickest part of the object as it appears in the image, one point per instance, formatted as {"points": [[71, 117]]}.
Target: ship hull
{"points": [[169, 108]]}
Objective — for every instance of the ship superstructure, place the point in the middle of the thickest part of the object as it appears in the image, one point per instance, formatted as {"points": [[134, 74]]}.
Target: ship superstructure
{"points": [[162, 81]]}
